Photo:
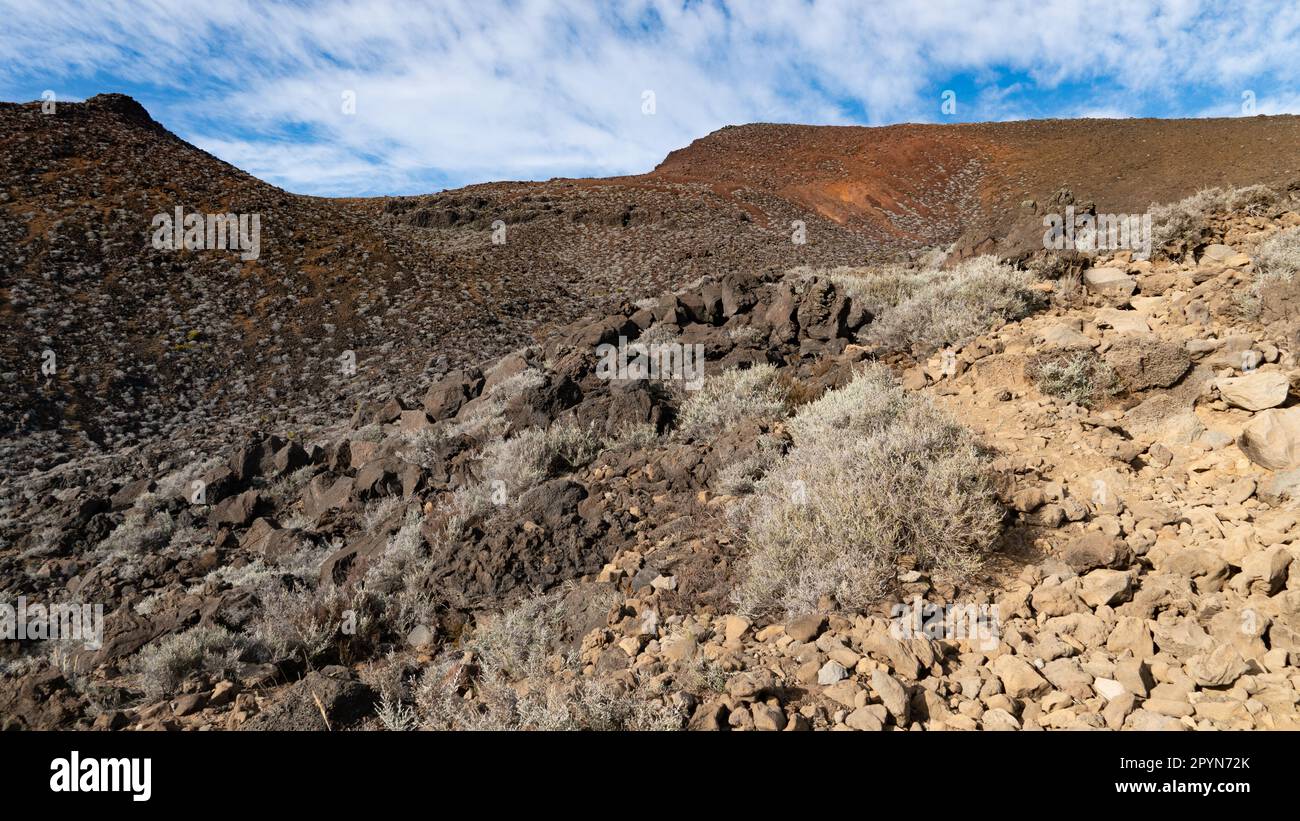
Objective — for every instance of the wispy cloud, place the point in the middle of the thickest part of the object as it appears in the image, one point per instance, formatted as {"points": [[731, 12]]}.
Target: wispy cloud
{"points": [[460, 91]]}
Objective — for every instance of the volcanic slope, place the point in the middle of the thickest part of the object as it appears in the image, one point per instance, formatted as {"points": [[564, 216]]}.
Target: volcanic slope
{"points": [[149, 342]]}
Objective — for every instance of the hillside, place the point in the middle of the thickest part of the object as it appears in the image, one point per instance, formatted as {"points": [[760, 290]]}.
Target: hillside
{"points": [[152, 342], [538, 546], [901, 491]]}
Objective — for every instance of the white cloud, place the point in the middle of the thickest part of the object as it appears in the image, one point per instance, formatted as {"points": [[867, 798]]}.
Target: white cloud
{"points": [[486, 89]]}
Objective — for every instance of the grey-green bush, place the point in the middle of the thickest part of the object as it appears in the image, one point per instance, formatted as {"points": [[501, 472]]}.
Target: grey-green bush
{"points": [[733, 396], [924, 310], [876, 474], [1080, 377]]}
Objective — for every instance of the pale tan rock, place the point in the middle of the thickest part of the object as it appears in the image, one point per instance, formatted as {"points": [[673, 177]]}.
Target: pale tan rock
{"points": [[844, 692], [1146, 719], [892, 695], [1264, 572], [999, 720], [868, 718], [1112, 281], [1135, 676], [1217, 252], [1219, 668], [1019, 677], [1108, 688], [1168, 707], [1102, 587], [1255, 391], [1118, 709], [1272, 438], [844, 656], [733, 627], [1064, 336], [1124, 322], [767, 717]]}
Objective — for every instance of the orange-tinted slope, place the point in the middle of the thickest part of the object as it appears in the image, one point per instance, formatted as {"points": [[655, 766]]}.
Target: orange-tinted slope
{"points": [[932, 183]]}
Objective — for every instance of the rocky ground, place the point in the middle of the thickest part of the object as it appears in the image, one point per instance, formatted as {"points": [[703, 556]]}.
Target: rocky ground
{"points": [[195, 345], [1098, 455], [367, 576], [198, 346]]}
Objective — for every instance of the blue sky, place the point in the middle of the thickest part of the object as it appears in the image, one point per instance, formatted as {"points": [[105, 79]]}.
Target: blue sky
{"points": [[449, 93]]}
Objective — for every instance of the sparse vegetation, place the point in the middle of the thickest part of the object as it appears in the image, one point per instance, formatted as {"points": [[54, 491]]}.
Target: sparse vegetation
{"points": [[140, 532], [1180, 227], [660, 333], [924, 310], [282, 491], [741, 477], [291, 624], [733, 396], [575, 446], [1255, 200], [633, 436], [747, 336], [512, 466], [1078, 377], [396, 716], [520, 682], [485, 421], [876, 474], [164, 665], [532, 455], [951, 307], [379, 511], [1278, 257], [1057, 265], [520, 461]]}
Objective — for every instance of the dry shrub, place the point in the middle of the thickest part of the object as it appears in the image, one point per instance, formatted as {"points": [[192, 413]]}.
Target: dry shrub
{"points": [[466, 504], [877, 287], [733, 396], [876, 474], [575, 446], [486, 420], [532, 455], [747, 336], [742, 477], [307, 623], [1254, 200], [1080, 377], [633, 436], [524, 678], [164, 665], [512, 466], [1278, 257], [925, 310], [952, 306], [141, 532], [1180, 227], [301, 618], [1056, 265]]}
